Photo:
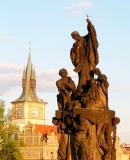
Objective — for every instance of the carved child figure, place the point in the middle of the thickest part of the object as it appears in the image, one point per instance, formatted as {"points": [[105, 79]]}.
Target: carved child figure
{"points": [[103, 85], [89, 99], [66, 88]]}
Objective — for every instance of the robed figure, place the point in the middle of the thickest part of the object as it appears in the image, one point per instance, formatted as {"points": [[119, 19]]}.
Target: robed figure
{"points": [[84, 55]]}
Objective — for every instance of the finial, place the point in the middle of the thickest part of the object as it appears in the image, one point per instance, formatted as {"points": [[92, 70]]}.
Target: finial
{"points": [[29, 45]]}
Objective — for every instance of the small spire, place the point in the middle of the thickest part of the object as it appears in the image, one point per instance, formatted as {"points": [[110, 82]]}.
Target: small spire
{"points": [[29, 83], [33, 74], [24, 73]]}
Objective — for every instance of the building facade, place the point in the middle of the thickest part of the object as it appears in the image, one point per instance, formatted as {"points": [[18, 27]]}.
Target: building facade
{"points": [[121, 151], [39, 141]]}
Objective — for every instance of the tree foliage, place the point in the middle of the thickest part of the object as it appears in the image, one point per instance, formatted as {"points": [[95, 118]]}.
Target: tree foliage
{"points": [[9, 144]]}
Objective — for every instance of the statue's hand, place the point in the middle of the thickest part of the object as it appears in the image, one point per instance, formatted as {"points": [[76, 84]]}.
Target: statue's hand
{"points": [[88, 21]]}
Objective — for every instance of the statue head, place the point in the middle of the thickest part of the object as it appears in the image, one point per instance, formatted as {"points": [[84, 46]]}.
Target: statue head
{"points": [[97, 71], [63, 72], [115, 120], [75, 35]]}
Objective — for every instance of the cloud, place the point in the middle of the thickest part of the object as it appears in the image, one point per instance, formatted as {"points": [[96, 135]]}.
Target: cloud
{"points": [[10, 68], [78, 8], [11, 77], [46, 81]]}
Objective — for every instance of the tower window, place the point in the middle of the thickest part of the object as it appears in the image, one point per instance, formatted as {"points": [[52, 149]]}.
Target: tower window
{"points": [[19, 113]]}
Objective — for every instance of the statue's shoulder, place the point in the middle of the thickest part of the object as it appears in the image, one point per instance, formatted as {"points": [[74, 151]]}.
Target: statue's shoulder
{"points": [[59, 81]]}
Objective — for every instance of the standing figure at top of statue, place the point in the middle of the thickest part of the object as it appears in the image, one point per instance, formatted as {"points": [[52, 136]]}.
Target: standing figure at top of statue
{"points": [[84, 55], [66, 88]]}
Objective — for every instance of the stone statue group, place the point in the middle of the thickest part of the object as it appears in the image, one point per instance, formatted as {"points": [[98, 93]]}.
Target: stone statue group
{"points": [[83, 118]]}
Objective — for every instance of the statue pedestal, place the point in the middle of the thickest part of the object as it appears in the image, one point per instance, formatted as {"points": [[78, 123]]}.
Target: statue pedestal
{"points": [[91, 132], [101, 133], [95, 115]]}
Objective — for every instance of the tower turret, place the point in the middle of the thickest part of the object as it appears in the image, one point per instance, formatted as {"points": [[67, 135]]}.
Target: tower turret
{"points": [[29, 83], [29, 107]]}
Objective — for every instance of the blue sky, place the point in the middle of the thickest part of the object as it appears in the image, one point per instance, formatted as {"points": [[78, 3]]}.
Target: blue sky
{"points": [[47, 25]]}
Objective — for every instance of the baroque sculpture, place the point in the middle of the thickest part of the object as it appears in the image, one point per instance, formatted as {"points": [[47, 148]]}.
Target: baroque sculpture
{"points": [[84, 120]]}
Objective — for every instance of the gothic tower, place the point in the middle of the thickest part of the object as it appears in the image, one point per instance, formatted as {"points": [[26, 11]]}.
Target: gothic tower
{"points": [[28, 107]]}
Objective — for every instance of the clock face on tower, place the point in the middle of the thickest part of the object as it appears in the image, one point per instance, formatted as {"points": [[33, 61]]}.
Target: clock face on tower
{"points": [[35, 112]]}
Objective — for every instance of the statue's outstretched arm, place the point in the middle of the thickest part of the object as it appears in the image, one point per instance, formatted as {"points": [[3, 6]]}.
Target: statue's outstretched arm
{"points": [[92, 33], [93, 38]]}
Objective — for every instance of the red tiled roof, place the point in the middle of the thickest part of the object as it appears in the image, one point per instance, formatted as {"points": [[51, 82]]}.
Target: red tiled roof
{"points": [[45, 129]]}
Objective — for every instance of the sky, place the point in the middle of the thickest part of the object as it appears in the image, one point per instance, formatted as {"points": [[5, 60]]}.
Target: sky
{"points": [[48, 25]]}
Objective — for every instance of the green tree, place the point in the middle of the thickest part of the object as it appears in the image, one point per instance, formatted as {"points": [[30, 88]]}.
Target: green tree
{"points": [[9, 142]]}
